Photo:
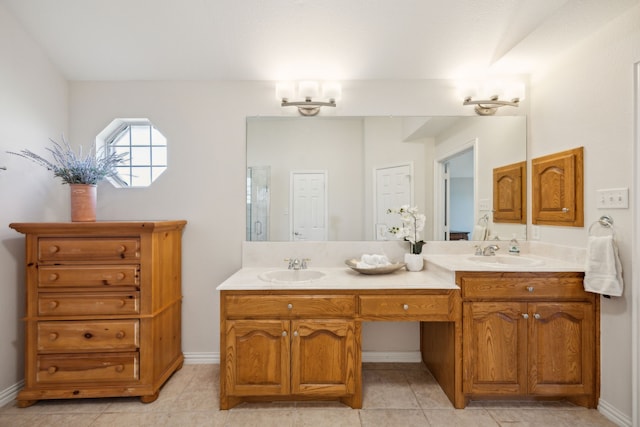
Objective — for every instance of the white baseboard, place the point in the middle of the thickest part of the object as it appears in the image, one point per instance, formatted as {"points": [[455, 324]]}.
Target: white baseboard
{"points": [[391, 356], [196, 358], [613, 414], [9, 394]]}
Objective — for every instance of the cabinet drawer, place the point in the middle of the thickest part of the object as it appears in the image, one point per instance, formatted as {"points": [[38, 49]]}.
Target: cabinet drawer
{"points": [[64, 368], [88, 304], [529, 288], [87, 276], [290, 306], [401, 306], [88, 249], [98, 335]]}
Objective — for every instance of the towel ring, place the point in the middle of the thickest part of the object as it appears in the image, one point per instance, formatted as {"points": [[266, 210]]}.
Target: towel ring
{"points": [[605, 223]]}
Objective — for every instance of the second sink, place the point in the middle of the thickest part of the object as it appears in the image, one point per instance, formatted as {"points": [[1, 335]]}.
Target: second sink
{"points": [[291, 276]]}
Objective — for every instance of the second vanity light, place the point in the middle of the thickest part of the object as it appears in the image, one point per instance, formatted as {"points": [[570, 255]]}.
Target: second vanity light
{"points": [[490, 95], [310, 98]]}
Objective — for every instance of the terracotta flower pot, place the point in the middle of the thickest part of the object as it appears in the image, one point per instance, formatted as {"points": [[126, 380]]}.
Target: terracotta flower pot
{"points": [[83, 202]]}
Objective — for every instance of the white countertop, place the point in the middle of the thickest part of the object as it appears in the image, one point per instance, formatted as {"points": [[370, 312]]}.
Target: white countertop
{"points": [[341, 278], [461, 262], [439, 273]]}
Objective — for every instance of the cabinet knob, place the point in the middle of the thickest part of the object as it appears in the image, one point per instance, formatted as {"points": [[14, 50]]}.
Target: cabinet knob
{"points": [[53, 336], [88, 335], [284, 333], [295, 333], [405, 307], [53, 277], [122, 303], [537, 316], [565, 210], [530, 288], [120, 335], [121, 249], [120, 276], [53, 304], [290, 306], [53, 249], [525, 315], [119, 368], [52, 370]]}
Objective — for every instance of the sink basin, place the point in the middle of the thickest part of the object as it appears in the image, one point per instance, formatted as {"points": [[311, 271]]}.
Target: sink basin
{"points": [[291, 276], [502, 261]]}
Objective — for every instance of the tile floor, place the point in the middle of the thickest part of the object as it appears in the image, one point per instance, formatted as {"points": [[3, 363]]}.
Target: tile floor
{"points": [[394, 395]]}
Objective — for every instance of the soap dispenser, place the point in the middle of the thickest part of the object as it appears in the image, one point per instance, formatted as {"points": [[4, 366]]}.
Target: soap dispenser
{"points": [[514, 246]]}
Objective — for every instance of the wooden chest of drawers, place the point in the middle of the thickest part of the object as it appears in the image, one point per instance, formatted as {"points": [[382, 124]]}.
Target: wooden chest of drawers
{"points": [[103, 309]]}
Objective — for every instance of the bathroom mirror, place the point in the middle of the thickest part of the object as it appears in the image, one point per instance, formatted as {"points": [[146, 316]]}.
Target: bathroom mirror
{"points": [[341, 173]]}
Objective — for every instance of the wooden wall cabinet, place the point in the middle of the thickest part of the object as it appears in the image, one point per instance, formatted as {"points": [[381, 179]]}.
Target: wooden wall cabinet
{"points": [[530, 334], [557, 189], [103, 309], [510, 193]]}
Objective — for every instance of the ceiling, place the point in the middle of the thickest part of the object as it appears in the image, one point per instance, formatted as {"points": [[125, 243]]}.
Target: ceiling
{"points": [[295, 39]]}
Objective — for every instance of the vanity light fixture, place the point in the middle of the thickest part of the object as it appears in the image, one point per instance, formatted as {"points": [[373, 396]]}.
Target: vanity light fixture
{"points": [[309, 92], [494, 95]]}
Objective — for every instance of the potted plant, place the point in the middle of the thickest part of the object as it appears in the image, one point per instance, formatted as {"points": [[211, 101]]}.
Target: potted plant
{"points": [[81, 171], [412, 224]]}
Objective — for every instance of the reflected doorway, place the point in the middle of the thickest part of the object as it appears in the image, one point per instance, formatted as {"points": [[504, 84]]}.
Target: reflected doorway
{"points": [[456, 188]]}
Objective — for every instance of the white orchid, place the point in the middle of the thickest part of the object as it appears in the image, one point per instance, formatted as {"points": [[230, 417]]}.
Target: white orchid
{"points": [[412, 224]]}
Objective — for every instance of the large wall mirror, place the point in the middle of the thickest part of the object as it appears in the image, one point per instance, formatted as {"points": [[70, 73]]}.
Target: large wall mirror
{"points": [[333, 178]]}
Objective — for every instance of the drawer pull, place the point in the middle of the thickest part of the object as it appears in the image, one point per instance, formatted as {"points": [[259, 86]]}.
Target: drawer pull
{"points": [[295, 333], [122, 303], [525, 315], [284, 333], [52, 370], [405, 307], [121, 249], [53, 336], [530, 288], [88, 335], [53, 304], [537, 316], [120, 335], [290, 306], [53, 277], [53, 249], [119, 368], [120, 276]]}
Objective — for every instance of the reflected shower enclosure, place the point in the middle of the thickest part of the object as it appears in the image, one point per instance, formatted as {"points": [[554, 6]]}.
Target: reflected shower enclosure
{"points": [[258, 181]]}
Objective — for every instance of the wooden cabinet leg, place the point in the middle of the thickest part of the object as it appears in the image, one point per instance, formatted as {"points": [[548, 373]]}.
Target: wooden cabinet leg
{"points": [[150, 398], [26, 403]]}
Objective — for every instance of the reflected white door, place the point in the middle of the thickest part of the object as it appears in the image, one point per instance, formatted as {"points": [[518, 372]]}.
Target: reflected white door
{"points": [[393, 189], [309, 205]]}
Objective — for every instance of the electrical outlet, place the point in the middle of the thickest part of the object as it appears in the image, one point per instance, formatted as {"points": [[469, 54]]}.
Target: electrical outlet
{"points": [[535, 232], [613, 198]]}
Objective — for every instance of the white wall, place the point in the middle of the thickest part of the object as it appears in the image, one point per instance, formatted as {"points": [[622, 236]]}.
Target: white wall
{"points": [[586, 99], [33, 107]]}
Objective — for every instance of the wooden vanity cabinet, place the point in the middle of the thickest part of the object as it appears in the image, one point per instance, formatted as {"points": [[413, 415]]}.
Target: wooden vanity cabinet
{"points": [[288, 346], [530, 334], [103, 309]]}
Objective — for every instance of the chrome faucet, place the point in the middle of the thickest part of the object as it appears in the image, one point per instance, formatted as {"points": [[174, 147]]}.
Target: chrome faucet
{"points": [[490, 250], [297, 263]]}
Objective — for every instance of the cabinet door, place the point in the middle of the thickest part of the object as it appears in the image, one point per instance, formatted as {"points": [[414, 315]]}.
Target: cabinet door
{"points": [[323, 357], [510, 193], [557, 185], [257, 357], [494, 348], [561, 348]]}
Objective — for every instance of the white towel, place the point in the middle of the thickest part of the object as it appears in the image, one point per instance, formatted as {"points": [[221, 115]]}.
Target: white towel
{"points": [[372, 261], [479, 232], [603, 273]]}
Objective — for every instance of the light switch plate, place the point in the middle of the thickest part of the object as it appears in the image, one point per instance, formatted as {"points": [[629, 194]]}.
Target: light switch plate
{"points": [[613, 198], [484, 204]]}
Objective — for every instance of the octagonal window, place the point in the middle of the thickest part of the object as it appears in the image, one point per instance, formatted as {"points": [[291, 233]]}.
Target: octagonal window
{"points": [[145, 148]]}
